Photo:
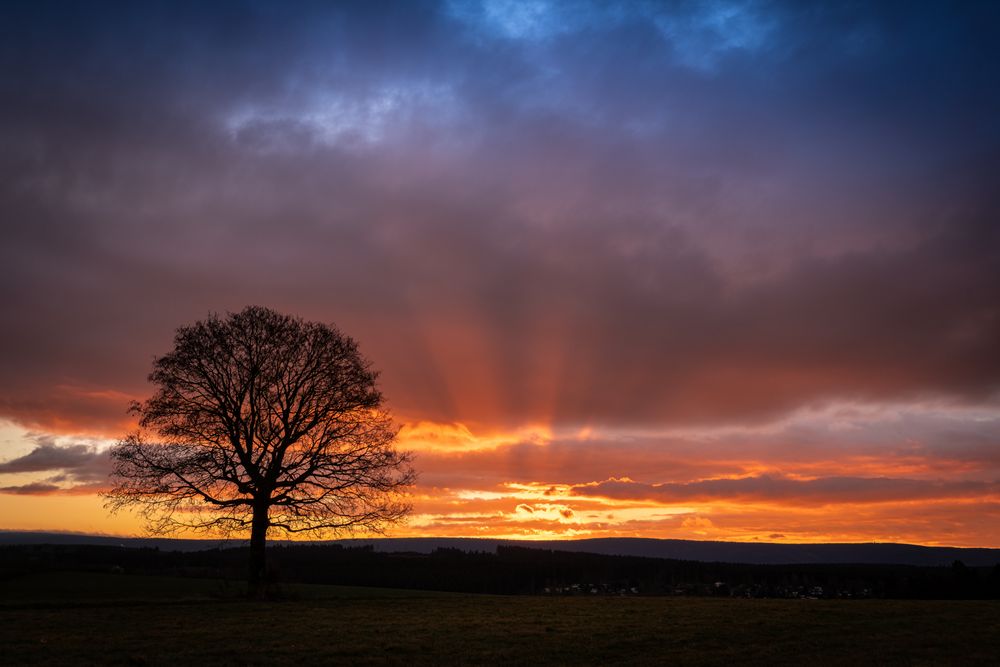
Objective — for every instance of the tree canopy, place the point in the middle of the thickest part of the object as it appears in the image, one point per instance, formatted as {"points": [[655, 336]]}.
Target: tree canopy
{"points": [[266, 421]]}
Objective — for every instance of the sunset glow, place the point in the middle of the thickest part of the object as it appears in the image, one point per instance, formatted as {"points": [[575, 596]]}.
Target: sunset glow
{"points": [[713, 271]]}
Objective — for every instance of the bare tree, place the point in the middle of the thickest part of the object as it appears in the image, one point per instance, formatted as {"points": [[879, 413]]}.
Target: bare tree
{"points": [[265, 421]]}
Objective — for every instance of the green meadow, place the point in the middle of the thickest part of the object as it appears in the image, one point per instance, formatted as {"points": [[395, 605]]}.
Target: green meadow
{"points": [[122, 619]]}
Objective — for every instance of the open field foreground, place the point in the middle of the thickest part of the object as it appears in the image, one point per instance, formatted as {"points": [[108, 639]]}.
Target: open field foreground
{"points": [[121, 619]]}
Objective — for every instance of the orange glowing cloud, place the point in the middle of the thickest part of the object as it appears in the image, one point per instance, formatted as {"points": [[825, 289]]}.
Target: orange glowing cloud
{"points": [[456, 438], [780, 481]]}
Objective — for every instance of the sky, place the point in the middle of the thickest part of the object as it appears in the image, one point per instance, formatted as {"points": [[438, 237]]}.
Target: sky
{"points": [[720, 270]]}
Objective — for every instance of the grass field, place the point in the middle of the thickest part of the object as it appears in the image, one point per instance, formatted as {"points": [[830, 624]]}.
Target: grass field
{"points": [[122, 619]]}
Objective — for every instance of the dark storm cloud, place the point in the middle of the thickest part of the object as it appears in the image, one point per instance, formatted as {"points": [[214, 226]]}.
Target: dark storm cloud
{"points": [[631, 214], [49, 457], [73, 464], [80, 468], [821, 491], [32, 489]]}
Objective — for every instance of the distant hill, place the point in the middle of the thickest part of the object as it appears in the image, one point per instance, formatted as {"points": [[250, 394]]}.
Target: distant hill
{"points": [[722, 552], [691, 550], [164, 544]]}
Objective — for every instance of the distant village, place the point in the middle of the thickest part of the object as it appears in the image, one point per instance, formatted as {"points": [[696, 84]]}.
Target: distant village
{"points": [[717, 589]]}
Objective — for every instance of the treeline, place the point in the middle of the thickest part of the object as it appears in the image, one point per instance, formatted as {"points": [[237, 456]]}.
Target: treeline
{"points": [[520, 570]]}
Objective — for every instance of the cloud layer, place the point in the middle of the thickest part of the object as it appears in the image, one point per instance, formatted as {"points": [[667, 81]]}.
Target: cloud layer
{"points": [[537, 218]]}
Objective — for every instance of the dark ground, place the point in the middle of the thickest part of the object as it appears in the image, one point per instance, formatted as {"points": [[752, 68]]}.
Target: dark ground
{"points": [[91, 618]]}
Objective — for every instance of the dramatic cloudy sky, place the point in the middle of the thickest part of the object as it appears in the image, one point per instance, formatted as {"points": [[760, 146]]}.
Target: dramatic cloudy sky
{"points": [[716, 270]]}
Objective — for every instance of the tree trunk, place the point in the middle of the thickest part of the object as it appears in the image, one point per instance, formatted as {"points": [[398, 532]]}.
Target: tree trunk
{"points": [[256, 583]]}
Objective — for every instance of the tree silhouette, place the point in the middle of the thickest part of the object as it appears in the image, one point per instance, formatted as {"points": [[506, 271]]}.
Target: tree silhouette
{"points": [[266, 421]]}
